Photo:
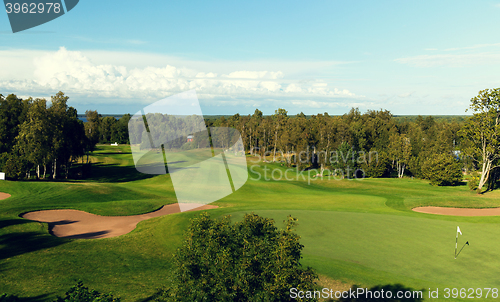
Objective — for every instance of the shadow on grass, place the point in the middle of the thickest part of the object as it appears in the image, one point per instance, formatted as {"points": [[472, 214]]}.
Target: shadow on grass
{"points": [[111, 153], [8, 222], [115, 173], [160, 295], [18, 243], [13, 298], [89, 235]]}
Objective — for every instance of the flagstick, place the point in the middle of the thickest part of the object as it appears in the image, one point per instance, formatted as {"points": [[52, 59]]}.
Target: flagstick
{"points": [[462, 249], [456, 243]]}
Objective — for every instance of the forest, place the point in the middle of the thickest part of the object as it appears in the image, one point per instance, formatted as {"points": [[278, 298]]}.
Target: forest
{"points": [[40, 140]]}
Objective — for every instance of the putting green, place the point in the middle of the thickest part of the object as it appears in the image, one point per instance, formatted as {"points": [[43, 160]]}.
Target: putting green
{"points": [[410, 250]]}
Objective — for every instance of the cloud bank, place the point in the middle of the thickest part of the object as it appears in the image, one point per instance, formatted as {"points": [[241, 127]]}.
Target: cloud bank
{"points": [[75, 73]]}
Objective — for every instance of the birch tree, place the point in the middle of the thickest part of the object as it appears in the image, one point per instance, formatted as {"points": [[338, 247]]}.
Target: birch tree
{"points": [[481, 133]]}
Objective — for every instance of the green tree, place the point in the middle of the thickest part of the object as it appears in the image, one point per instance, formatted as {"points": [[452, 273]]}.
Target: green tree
{"points": [[107, 126], [81, 293], [400, 152], [280, 118], [67, 133], [12, 114], [35, 136], [254, 131], [442, 170], [345, 160], [250, 260], [120, 130], [481, 133], [92, 127]]}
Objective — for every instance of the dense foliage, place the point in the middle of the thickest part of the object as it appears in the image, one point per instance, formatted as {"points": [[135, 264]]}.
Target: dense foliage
{"points": [[40, 138], [81, 293], [481, 135], [370, 144], [8, 298], [250, 260], [374, 142], [77, 293], [108, 129], [442, 170]]}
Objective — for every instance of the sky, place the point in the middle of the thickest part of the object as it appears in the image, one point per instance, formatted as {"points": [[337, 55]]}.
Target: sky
{"points": [[118, 56]]}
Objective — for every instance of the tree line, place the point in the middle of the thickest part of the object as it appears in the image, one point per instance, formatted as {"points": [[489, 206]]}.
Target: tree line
{"points": [[46, 139], [373, 142], [40, 138], [43, 140]]}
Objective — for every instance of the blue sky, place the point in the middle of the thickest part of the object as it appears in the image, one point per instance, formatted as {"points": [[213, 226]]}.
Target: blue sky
{"points": [[324, 56]]}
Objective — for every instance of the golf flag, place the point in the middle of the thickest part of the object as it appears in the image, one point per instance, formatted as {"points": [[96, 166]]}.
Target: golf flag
{"points": [[458, 230]]}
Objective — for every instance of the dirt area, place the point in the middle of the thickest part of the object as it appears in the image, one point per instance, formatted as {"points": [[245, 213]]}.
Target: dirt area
{"points": [[458, 211], [82, 225]]}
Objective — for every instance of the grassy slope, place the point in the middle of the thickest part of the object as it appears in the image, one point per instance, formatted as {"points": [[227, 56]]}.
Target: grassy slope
{"points": [[357, 231]]}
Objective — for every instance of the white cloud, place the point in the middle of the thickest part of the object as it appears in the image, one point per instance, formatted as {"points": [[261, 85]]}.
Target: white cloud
{"points": [[76, 73], [271, 86], [293, 88], [244, 74], [406, 94], [206, 75]]}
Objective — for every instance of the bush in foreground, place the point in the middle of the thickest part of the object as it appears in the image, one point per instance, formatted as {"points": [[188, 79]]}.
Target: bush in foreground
{"points": [[80, 293], [8, 298], [250, 260]]}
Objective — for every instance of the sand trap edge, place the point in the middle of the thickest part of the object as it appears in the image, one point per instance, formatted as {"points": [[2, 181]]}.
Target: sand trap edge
{"points": [[458, 211]]}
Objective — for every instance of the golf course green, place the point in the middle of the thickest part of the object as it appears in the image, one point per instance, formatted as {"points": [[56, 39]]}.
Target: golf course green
{"points": [[354, 231]]}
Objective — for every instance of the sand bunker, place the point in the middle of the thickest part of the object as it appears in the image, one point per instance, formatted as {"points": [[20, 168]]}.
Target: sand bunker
{"points": [[82, 225], [4, 195], [458, 211]]}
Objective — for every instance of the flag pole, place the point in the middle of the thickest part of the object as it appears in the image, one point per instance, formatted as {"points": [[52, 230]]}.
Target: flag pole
{"points": [[467, 243], [456, 243]]}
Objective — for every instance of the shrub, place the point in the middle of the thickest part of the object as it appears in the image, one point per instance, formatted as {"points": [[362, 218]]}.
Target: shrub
{"points": [[8, 298], [442, 170], [474, 181], [250, 260], [375, 164], [80, 293]]}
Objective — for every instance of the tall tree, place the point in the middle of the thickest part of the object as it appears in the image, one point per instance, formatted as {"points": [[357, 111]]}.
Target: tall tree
{"points": [[120, 130], [400, 152], [279, 118], [92, 127], [106, 129], [481, 132], [35, 136]]}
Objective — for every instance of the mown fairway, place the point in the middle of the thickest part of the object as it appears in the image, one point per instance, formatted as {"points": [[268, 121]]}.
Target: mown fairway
{"points": [[361, 232]]}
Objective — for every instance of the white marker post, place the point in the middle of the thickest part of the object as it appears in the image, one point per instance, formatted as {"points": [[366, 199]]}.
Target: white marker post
{"points": [[456, 241]]}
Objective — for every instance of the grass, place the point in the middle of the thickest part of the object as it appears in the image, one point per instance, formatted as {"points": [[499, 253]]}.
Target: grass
{"points": [[354, 231]]}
